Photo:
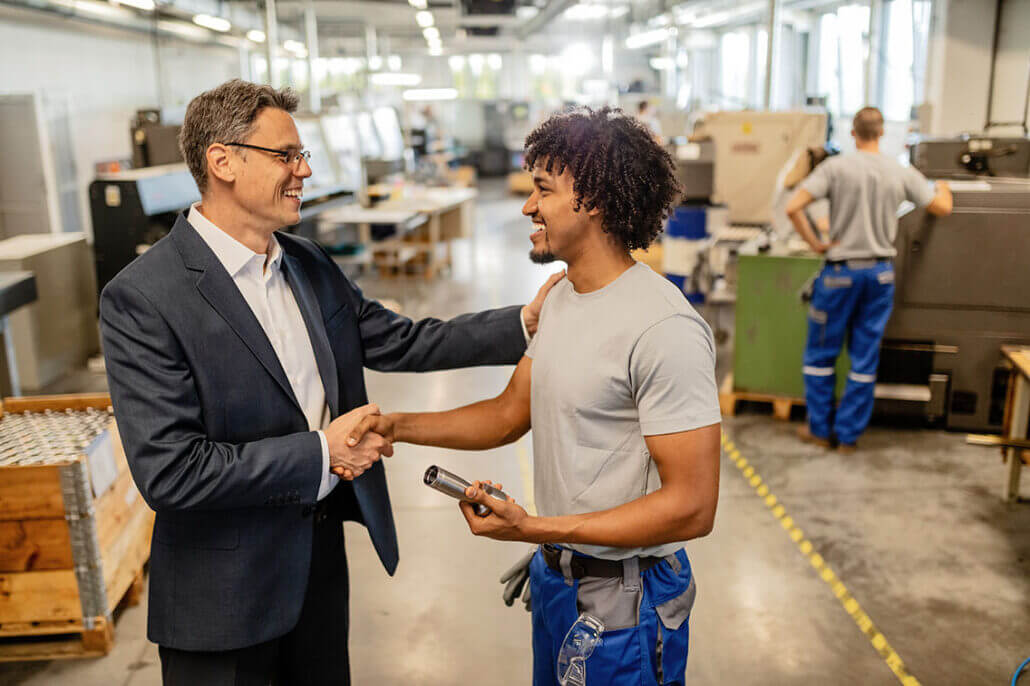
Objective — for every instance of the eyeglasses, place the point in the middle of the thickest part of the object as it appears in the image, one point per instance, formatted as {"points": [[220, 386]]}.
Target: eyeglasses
{"points": [[291, 157]]}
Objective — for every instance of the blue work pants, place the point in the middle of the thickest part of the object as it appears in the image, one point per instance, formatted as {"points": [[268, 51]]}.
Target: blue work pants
{"points": [[654, 652], [856, 302]]}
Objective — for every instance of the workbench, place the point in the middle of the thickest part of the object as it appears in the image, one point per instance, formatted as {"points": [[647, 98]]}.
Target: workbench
{"points": [[1017, 415], [447, 213]]}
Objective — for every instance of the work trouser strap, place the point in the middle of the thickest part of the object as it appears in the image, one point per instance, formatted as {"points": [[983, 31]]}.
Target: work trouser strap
{"points": [[631, 574]]}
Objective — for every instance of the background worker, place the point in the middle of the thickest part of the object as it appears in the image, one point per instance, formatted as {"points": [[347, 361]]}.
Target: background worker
{"points": [[619, 387], [649, 118], [854, 294]]}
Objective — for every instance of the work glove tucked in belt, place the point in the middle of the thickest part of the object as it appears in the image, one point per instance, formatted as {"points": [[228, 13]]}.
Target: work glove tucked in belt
{"points": [[515, 580]]}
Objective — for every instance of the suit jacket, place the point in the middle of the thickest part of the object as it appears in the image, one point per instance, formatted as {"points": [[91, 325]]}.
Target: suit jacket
{"points": [[219, 446]]}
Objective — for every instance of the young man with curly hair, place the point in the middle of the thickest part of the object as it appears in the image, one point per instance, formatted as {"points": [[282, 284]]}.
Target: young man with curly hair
{"points": [[619, 388]]}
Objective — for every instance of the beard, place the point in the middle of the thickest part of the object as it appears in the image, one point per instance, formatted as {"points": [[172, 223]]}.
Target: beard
{"points": [[545, 257]]}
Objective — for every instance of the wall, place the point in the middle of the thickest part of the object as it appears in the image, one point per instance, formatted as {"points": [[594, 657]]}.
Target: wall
{"points": [[1013, 61], [106, 74], [960, 63]]}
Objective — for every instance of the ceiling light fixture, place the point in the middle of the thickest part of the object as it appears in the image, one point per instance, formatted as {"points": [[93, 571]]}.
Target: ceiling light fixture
{"points": [[424, 18], [645, 38], [213, 23]]}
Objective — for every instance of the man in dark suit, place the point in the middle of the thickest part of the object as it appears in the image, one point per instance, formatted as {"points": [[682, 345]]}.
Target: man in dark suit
{"points": [[234, 356]]}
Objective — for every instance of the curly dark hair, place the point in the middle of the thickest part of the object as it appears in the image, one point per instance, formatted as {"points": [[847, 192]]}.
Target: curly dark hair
{"points": [[617, 166]]}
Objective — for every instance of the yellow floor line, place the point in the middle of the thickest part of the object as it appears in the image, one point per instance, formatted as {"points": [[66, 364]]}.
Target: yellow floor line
{"points": [[847, 601], [526, 472]]}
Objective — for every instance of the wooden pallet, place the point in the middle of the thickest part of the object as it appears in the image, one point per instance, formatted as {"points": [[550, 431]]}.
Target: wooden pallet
{"points": [[781, 405], [41, 610]]}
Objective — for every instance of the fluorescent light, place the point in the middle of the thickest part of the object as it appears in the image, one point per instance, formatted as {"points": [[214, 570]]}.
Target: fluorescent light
{"points": [[375, 63], [213, 23], [456, 62], [256, 36], [476, 62], [526, 12], [431, 33], [145, 5], [725, 16], [101, 9], [393, 78], [537, 64], [645, 38], [184, 30], [495, 61], [585, 12], [393, 62], [424, 18], [662, 63], [435, 50], [423, 94], [418, 4]]}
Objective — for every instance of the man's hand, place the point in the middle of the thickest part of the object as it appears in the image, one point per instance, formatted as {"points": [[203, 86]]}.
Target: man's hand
{"points": [[505, 523], [350, 461], [531, 312], [383, 424]]}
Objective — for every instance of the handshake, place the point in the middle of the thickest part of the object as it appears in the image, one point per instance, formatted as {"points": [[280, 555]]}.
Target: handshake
{"points": [[357, 440]]}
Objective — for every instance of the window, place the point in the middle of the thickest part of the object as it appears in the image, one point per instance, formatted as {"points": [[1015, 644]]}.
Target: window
{"points": [[902, 59], [734, 62]]}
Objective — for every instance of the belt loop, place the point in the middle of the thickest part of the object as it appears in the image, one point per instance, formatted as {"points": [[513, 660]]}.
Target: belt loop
{"points": [[631, 574], [674, 562], [565, 562]]}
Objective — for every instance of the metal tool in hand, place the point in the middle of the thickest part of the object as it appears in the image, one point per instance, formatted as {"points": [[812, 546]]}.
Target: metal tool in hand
{"points": [[453, 485], [578, 646]]}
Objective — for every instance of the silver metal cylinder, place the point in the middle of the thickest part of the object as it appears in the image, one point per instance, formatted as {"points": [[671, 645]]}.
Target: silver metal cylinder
{"points": [[453, 485]]}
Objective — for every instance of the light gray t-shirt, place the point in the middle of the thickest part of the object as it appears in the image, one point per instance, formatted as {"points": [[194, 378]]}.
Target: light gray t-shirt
{"points": [[865, 191], [632, 359]]}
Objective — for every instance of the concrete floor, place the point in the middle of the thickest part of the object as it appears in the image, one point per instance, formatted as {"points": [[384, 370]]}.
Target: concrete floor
{"points": [[912, 524]]}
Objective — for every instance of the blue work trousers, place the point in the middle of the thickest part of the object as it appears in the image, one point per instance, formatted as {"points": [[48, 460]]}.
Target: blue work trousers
{"points": [[654, 652], [855, 302]]}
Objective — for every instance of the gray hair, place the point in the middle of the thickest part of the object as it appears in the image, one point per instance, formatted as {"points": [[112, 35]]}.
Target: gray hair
{"points": [[226, 115]]}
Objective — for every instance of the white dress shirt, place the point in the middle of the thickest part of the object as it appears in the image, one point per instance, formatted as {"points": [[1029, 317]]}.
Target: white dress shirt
{"points": [[263, 285]]}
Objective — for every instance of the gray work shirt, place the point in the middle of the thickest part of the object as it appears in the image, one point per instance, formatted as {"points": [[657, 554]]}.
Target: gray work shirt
{"points": [[632, 359], [865, 191]]}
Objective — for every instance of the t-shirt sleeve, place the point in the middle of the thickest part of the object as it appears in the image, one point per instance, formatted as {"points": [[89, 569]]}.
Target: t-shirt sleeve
{"points": [[818, 182], [672, 369], [917, 188]]}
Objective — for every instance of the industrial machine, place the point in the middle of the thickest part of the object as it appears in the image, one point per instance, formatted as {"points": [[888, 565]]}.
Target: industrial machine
{"points": [[961, 293], [971, 156], [155, 141], [750, 150], [132, 210]]}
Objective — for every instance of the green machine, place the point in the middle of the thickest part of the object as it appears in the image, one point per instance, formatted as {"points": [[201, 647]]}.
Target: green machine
{"points": [[771, 325]]}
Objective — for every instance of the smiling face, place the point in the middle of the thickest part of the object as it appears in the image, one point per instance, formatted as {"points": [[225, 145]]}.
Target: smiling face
{"points": [[269, 188], [559, 230]]}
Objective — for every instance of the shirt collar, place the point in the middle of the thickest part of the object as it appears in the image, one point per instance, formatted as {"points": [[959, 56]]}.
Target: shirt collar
{"points": [[233, 255]]}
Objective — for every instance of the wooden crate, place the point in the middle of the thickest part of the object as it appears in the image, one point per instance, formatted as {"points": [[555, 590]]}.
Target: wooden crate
{"points": [[68, 556]]}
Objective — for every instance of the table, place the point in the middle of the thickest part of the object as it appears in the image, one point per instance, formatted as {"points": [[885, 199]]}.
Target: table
{"points": [[449, 213], [1017, 415], [16, 289]]}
